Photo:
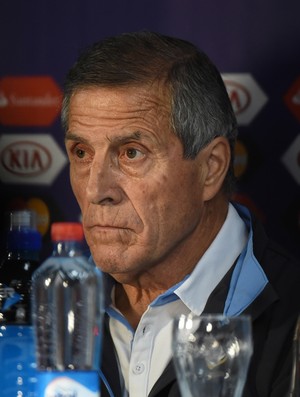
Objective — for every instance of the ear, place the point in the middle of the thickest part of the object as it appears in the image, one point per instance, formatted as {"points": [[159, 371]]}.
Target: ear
{"points": [[217, 159]]}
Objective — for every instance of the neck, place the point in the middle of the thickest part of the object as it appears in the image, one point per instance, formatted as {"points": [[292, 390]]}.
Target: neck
{"points": [[133, 295]]}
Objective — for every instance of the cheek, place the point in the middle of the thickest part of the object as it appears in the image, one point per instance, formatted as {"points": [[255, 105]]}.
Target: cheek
{"points": [[78, 186], [151, 197], [161, 204], [181, 196]]}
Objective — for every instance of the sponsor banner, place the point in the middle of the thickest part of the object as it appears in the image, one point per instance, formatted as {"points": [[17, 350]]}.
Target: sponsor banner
{"points": [[247, 98], [30, 159], [291, 159], [292, 99], [29, 100]]}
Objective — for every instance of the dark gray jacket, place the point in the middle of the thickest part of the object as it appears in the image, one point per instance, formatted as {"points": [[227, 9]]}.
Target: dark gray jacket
{"points": [[274, 313]]}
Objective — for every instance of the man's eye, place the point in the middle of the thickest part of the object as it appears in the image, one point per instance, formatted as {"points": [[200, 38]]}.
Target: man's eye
{"points": [[132, 153], [80, 153]]}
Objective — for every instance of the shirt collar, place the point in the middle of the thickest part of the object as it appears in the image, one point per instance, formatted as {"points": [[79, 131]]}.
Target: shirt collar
{"points": [[215, 263], [248, 277]]}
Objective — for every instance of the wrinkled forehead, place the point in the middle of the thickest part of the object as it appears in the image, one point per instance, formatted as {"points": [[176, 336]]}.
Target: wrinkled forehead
{"points": [[151, 95], [142, 97]]}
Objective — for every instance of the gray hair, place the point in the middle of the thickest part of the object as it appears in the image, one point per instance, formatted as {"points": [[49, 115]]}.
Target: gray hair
{"points": [[200, 107]]}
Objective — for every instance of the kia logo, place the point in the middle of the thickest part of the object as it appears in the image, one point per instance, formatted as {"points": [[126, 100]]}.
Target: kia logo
{"points": [[26, 158], [239, 96]]}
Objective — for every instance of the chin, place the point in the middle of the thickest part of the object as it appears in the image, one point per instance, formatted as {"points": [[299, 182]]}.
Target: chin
{"points": [[120, 269], [109, 263]]}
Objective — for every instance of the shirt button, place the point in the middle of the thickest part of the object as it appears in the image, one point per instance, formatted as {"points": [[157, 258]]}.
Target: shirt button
{"points": [[139, 368]]}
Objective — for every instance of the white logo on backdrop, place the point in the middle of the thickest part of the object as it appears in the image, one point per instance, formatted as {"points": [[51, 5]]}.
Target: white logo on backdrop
{"points": [[291, 159], [30, 159], [3, 100], [247, 97]]}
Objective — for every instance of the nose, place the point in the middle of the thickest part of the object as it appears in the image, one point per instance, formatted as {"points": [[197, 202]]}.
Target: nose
{"points": [[102, 186]]}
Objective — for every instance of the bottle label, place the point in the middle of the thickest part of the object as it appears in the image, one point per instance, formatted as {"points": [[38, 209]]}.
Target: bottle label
{"points": [[18, 362], [14, 305], [9, 297], [68, 384]]}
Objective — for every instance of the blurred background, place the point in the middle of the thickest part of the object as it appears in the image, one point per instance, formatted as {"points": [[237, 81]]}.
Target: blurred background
{"points": [[255, 44]]}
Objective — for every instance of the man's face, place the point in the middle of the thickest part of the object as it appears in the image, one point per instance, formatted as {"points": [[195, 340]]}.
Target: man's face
{"points": [[140, 199]]}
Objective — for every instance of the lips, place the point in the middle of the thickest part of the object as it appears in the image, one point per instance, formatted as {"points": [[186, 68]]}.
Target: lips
{"points": [[105, 226], [101, 235], [93, 221]]}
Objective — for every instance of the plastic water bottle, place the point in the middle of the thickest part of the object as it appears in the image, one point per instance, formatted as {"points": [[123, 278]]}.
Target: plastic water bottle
{"points": [[17, 352], [67, 307]]}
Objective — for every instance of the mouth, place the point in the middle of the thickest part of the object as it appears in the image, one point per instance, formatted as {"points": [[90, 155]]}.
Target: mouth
{"points": [[108, 235], [103, 228]]}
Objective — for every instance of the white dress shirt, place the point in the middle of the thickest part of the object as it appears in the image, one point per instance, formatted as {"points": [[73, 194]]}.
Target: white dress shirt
{"points": [[144, 353]]}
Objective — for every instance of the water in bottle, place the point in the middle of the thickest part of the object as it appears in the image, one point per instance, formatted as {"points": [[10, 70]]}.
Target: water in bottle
{"points": [[67, 307], [17, 353]]}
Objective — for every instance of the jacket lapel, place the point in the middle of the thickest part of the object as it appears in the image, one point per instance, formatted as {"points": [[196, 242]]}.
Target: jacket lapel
{"points": [[215, 304], [166, 381]]}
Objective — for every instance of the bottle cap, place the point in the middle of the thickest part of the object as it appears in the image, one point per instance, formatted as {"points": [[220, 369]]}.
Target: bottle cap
{"points": [[23, 234], [22, 219], [66, 231]]}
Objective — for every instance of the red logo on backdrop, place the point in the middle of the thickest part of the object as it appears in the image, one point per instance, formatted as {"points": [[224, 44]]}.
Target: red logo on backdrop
{"points": [[292, 99], [239, 96], [29, 101], [26, 158]]}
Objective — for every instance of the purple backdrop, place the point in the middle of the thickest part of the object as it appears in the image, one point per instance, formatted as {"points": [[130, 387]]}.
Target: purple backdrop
{"points": [[256, 43]]}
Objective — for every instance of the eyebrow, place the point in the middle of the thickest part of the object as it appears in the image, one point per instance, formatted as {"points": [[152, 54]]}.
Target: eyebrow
{"points": [[123, 139], [70, 136]]}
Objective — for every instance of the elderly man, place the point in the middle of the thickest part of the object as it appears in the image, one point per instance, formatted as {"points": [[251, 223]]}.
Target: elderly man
{"points": [[150, 134]]}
